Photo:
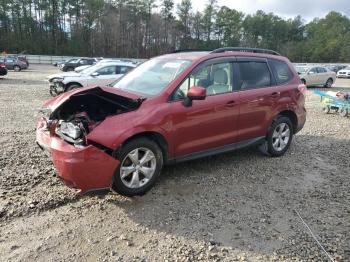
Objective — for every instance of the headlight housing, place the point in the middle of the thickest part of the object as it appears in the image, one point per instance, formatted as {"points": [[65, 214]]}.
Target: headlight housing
{"points": [[70, 129]]}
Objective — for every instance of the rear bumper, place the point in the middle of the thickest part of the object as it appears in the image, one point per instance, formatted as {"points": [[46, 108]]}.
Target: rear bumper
{"points": [[84, 169]]}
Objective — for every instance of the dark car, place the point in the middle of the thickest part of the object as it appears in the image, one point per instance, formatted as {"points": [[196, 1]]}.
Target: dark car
{"points": [[3, 70], [59, 63], [72, 64], [172, 108], [14, 63], [336, 68]]}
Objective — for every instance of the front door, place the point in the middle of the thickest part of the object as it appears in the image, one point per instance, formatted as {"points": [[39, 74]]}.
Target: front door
{"points": [[209, 123]]}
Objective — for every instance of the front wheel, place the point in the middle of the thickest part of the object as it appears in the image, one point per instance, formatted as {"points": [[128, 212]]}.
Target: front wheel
{"points": [[72, 86], [141, 161], [279, 137]]}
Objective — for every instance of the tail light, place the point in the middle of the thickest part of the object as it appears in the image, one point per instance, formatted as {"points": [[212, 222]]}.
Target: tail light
{"points": [[2, 66], [302, 88]]}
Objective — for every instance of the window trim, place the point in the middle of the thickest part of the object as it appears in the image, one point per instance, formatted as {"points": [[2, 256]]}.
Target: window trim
{"points": [[220, 60], [257, 60]]}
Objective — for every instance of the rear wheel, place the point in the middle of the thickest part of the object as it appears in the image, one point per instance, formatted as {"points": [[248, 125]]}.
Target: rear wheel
{"points": [[329, 83], [17, 68], [141, 161], [279, 137]]}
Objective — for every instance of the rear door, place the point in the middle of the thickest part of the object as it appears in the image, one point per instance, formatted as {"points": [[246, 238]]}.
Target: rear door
{"points": [[257, 97]]}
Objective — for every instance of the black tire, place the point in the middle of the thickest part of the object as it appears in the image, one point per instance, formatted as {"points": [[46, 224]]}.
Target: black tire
{"points": [[326, 109], [17, 68], [72, 86], [268, 148], [118, 185], [303, 81], [329, 83], [344, 112]]}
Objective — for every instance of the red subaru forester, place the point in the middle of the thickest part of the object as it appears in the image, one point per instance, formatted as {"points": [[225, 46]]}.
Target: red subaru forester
{"points": [[172, 108]]}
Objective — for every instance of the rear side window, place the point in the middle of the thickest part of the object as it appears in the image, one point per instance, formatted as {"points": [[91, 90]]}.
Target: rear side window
{"points": [[254, 75], [321, 70], [281, 71]]}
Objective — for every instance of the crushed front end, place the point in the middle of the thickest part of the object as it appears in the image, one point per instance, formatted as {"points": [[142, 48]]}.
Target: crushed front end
{"points": [[82, 164]]}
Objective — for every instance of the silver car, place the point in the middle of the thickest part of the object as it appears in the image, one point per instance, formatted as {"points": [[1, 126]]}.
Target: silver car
{"points": [[99, 75], [316, 76]]}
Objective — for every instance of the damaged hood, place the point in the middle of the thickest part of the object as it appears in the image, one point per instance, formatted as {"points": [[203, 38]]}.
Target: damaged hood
{"points": [[56, 102]]}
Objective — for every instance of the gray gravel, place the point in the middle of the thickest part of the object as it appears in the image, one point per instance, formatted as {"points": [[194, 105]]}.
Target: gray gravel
{"points": [[233, 207]]}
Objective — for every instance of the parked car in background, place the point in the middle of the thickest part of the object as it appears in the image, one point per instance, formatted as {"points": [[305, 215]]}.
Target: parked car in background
{"points": [[101, 74], [344, 73], [23, 58], [172, 108], [316, 76], [81, 68], [14, 63], [3, 70], [336, 68], [72, 64], [58, 63]]}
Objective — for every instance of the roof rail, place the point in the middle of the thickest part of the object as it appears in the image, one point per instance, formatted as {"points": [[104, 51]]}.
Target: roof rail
{"points": [[244, 49], [191, 50]]}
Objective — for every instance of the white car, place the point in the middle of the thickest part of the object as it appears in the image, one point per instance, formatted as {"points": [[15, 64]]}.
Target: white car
{"points": [[101, 74], [103, 61], [344, 73], [316, 76]]}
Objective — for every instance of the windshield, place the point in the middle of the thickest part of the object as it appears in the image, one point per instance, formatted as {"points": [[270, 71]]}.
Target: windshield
{"points": [[153, 76], [347, 68], [301, 70]]}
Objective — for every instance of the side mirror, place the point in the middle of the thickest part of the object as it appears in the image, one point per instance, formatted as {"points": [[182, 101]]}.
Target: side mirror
{"points": [[195, 93], [95, 74]]}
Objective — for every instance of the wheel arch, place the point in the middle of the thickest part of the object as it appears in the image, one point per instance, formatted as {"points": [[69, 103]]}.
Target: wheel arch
{"points": [[156, 137], [72, 83], [292, 116]]}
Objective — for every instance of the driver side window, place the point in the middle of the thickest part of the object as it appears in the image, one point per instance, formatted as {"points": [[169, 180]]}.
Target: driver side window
{"points": [[110, 70], [215, 78]]}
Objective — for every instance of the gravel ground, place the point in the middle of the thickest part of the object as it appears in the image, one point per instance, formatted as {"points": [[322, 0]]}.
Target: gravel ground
{"points": [[238, 206]]}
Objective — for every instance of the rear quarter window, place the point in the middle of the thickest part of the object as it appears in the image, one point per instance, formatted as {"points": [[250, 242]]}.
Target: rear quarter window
{"points": [[281, 71]]}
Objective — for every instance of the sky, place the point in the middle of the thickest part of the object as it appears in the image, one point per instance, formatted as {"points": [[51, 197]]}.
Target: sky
{"points": [[308, 9]]}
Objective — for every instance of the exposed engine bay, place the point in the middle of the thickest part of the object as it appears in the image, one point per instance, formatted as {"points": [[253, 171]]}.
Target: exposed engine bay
{"points": [[82, 112]]}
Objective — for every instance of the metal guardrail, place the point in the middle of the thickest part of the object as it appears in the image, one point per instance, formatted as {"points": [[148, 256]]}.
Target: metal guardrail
{"points": [[46, 59]]}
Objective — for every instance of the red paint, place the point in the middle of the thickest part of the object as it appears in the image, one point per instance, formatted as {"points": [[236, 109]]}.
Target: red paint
{"points": [[216, 121]]}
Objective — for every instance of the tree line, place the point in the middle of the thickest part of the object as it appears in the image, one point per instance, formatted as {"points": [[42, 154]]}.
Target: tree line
{"points": [[146, 28]]}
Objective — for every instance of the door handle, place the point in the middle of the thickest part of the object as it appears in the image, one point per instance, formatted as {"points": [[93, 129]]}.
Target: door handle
{"points": [[231, 103], [275, 94]]}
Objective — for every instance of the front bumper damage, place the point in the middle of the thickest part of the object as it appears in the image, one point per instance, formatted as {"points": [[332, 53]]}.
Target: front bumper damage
{"points": [[80, 168]]}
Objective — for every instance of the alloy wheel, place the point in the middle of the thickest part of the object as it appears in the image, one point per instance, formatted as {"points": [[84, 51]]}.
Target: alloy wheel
{"points": [[280, 137], [138, 167]]}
